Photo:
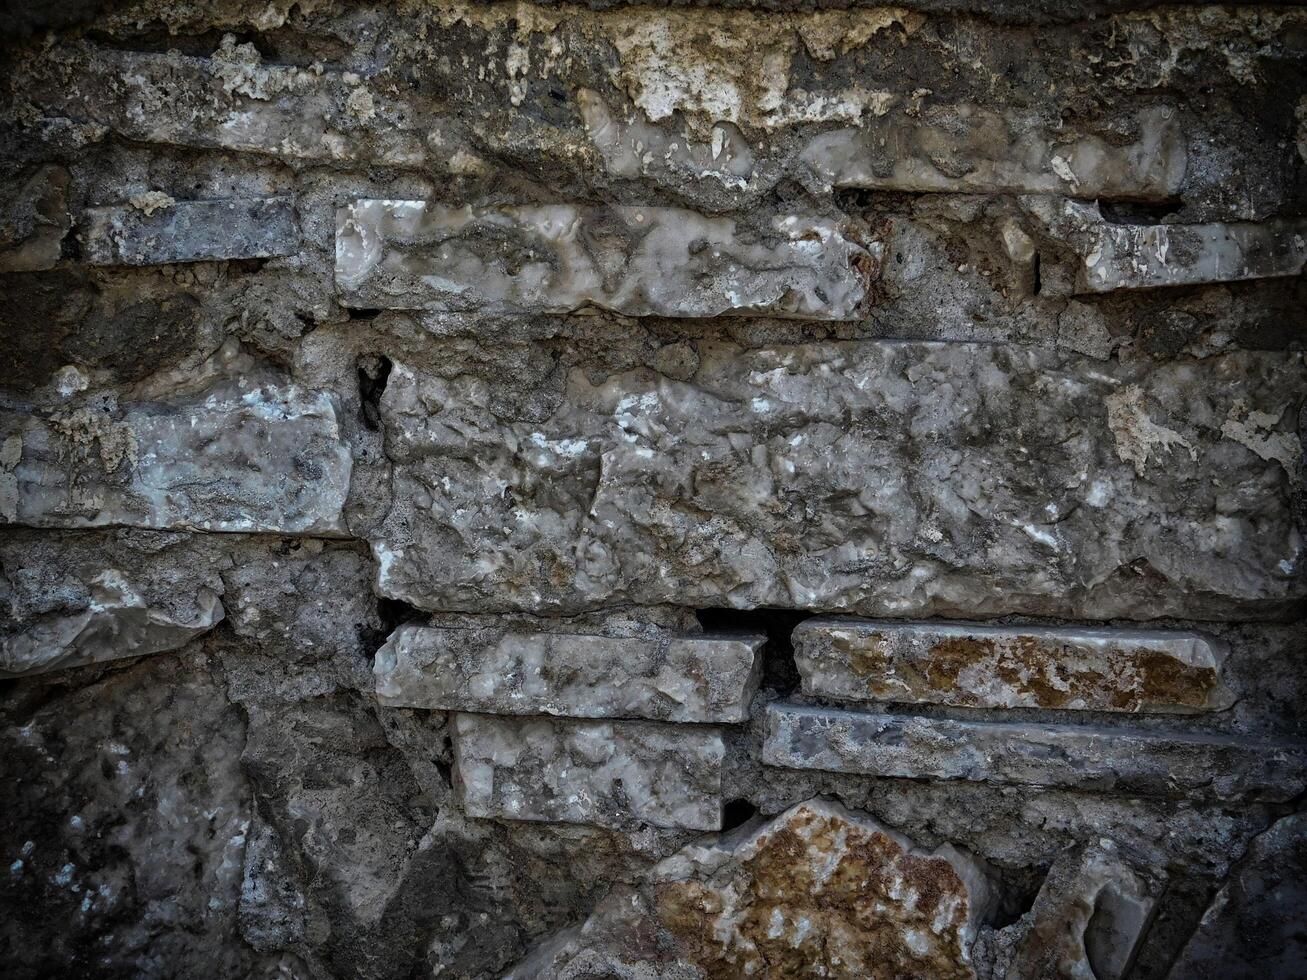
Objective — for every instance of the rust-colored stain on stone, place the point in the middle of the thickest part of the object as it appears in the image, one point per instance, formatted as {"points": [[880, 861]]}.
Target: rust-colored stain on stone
{"points": [[818, 895], [979, 668]]}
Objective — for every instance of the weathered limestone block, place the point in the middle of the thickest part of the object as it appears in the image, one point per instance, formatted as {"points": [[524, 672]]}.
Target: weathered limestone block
{"points": [[241, 456], [1010, 666], [34, 220], [1089, 758], [640, 261], [118, 622], [969, 149], [892, 479], [231, 101], [1087, 922], [190, 231], [500, 671], [1148, 256], [612, 774], [1253, 928], [818, 891]]}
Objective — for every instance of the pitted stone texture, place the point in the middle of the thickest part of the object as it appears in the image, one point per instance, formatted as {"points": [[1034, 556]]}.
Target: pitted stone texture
{"points": [[1083, 757], [190, 231], [1253, 929], [639, 261], [1087, 922], [611, 774], [502, 671], [1010, 666], [239, 456], [34, 220], [231, 101], [1147, 256], [817, 892], [970, 149], [893, 479]]}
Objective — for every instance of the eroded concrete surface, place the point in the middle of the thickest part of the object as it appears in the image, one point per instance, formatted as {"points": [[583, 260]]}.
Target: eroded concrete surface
{"points": [[709, 490]]}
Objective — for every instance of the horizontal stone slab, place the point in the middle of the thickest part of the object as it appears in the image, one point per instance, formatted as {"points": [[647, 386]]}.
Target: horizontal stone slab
{"points": [[1118, 256], [608, 773], [1083, 757], [498, 671], [639, 261], [1010, 666], [117, 623], [877, 478], [190, 231], [231, 101], [240, 456], [968, 149]]}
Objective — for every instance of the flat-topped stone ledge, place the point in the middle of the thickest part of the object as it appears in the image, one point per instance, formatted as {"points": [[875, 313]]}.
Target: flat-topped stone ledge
{"points": [[238, 456], [164, 230], [1088, 758], [498, 671], [1118, 256], [968, 149], [608, 773], [561, 258], [1010, 666]]}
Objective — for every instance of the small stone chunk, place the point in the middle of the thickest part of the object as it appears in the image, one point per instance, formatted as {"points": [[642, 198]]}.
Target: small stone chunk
{"points": [[117, 623], [239, 456], [1089, 758], [639, 261], [497, 671], [34, 220], [818, 891], [1087, 922], [190, 231], [611, 774], [1010, 667]]}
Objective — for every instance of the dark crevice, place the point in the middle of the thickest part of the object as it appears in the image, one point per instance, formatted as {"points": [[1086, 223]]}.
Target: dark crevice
{"points": [[736, 813], [373, 372], [1038, 283], [365, 314], [393, 614], [779, 672], [1138, 212]]}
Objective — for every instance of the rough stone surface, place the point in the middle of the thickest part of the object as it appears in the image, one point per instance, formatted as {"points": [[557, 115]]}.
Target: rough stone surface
{"points": [[1010, 667], [1088, 921], [152, 231], [1253, 927], [234, 482], [607, 773], [664, 678], [867, 477], [239, 456], [1147, 256], [558, 259], [967, 148], [818, 891], [1092, 758]]}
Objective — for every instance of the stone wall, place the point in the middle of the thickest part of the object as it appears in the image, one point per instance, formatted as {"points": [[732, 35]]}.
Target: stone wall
{"points": [[706, 490]]}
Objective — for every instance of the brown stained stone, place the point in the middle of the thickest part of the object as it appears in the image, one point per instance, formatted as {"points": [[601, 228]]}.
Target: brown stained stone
{"points": [[822, 892], [1006, 667]]}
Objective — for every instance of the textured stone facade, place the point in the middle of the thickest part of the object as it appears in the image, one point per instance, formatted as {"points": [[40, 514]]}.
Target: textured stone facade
{"points": [[731, 488]]}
